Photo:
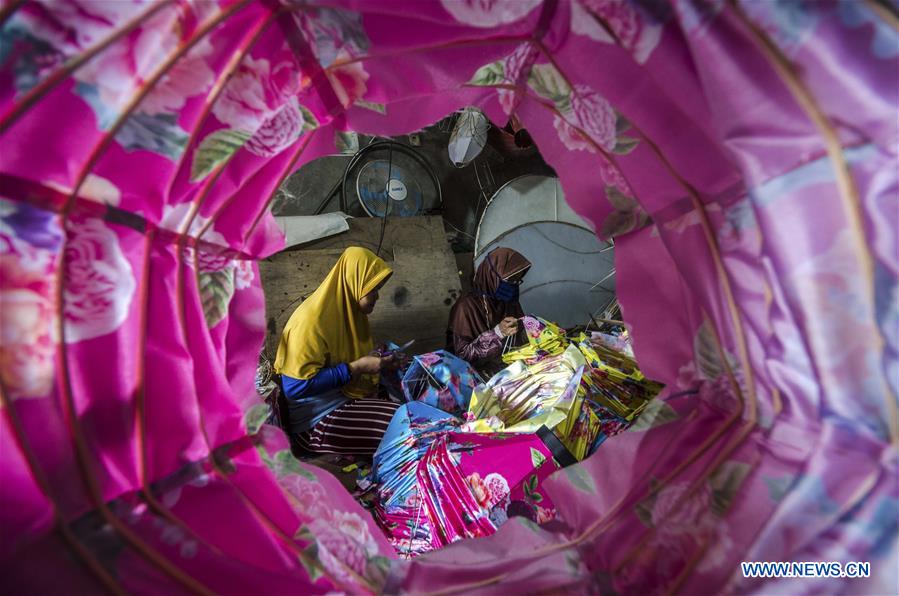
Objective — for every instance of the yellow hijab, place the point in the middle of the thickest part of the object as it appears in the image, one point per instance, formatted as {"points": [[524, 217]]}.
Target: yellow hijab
{"points": [[328, 327]]}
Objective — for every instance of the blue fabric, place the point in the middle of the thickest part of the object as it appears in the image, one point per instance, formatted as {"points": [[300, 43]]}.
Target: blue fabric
{"points": [[414, 427], [505, 291], [310, 400], [324, 380]]}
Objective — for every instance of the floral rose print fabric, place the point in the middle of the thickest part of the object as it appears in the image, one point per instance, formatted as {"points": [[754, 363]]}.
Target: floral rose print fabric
{"points": [[140, 146]]}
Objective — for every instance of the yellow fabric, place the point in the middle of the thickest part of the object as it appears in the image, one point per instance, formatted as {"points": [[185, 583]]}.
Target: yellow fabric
{"points": [[329, 328]]}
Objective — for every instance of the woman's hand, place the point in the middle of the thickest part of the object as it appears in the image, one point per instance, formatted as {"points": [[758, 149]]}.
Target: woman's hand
{"points": [[508, 326], [367, 365], [391, 362]]}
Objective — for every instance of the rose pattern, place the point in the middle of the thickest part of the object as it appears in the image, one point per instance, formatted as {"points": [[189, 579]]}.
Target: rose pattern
{"points": [[592, 114], [832, 285], [28, 324], [257, 91], [190, 76], [687, 377], [674, 512], [211, 253], [219, 274], [533, 326], [497, 488], [99, 281], [278, 131], [611, 176], [682, 524], [513, 70], [245, 101], [348, 79], [29, 243], [243, 274], [344, 543], [637, 32], [110, 81], [260, 110], [544, 515], [489, 13], [488, 491], [478, 488]]}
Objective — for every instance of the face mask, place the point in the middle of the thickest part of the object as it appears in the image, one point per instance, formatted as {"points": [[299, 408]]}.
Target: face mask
{"points": [[506, 291]]}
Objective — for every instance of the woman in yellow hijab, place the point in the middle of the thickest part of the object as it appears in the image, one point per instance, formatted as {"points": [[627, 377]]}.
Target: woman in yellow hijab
{"points": [[328, 371]]}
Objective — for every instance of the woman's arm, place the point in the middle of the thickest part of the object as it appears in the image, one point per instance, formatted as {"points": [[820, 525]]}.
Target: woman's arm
{"points": [[487, 345], [332, 377], [324, 380]]}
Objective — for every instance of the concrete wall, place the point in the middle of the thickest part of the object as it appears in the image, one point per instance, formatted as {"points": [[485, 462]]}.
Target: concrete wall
{"points": [[415, 302]]}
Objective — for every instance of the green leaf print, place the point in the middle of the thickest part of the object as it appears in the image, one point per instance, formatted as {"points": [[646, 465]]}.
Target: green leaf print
{"points": [[216, 290], [347, 142], [548, 82], [707, 354], [311, 554], [216, 149], [619, 200], [489, 75], [374, 107], [644, 513], [580, 479], [644, 508], [537, 458], [310, 122], [778, 487], [256, 417], [532, 526], [377, 568], [285, 463], [618, 223], [655, 414], [573, 563], [725, 483], [625, 145]]}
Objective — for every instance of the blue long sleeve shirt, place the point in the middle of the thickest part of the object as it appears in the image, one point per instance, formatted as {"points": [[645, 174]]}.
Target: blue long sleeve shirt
{"points": [[324, 380], [310, 400]]}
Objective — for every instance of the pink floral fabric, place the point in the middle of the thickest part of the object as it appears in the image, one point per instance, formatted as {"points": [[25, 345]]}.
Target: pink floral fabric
{"points": [[141, 142]]}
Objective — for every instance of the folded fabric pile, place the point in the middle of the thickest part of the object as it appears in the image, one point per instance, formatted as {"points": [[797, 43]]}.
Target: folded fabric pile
{"points": [[582, 392], [471, 483], [432, 485], [523, 398], [437, 478], [393, 482], [617, 391]]}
